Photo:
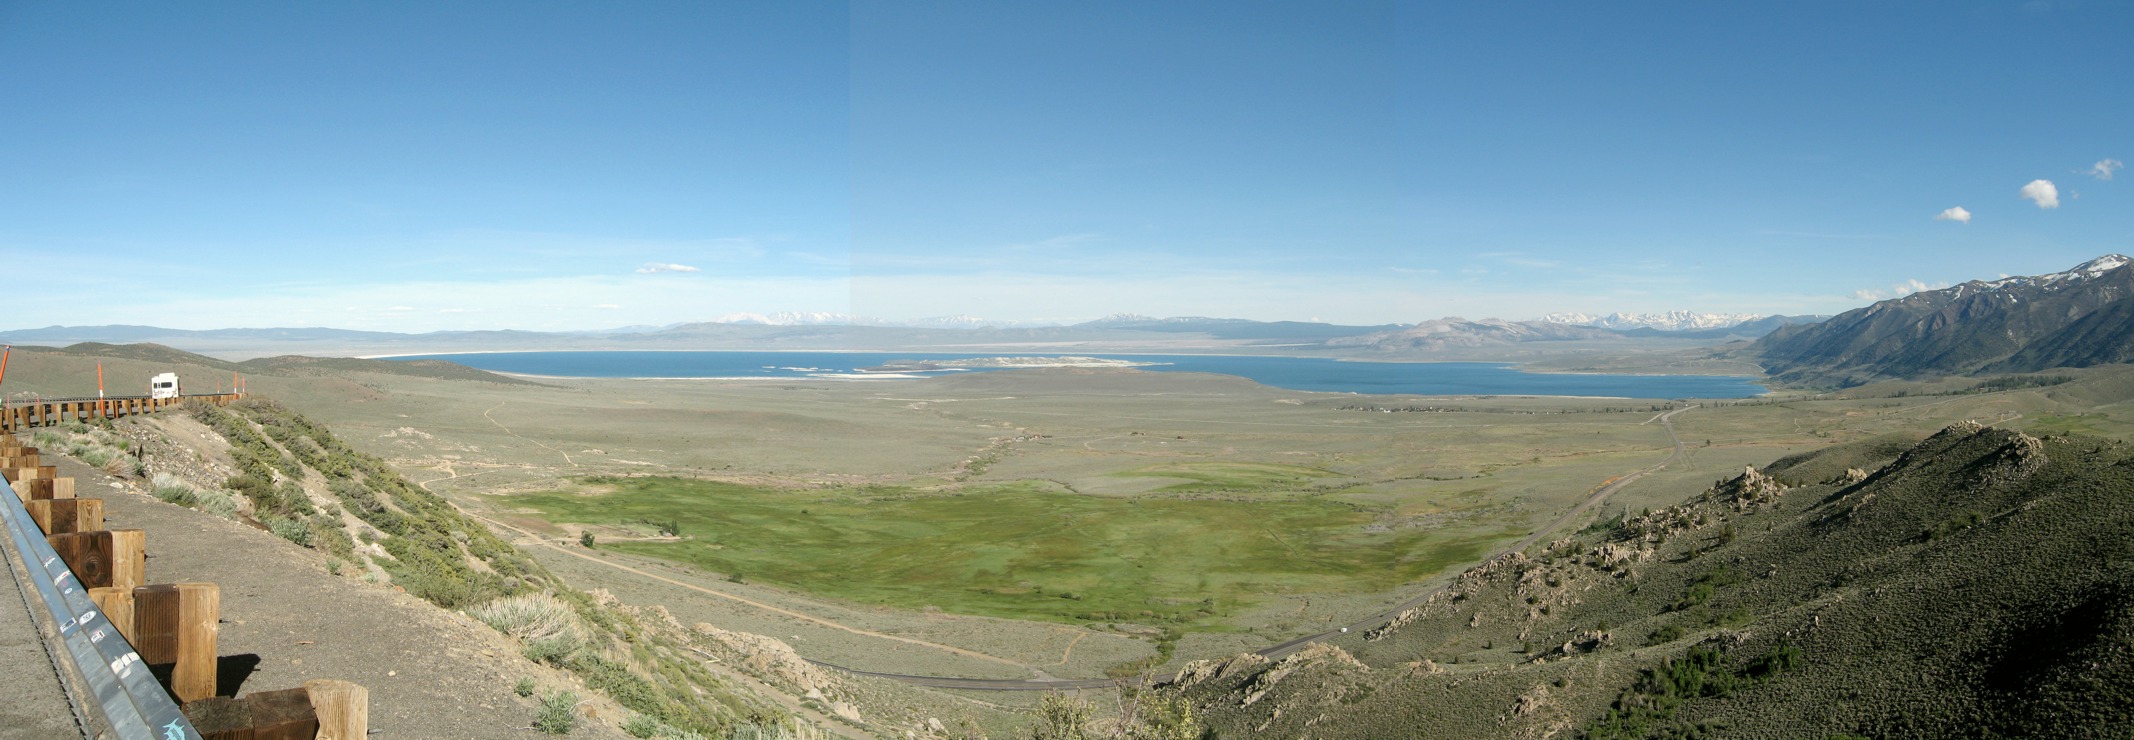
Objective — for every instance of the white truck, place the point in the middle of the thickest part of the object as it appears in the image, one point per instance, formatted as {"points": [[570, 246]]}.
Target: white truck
{"points": [[163, 386]]}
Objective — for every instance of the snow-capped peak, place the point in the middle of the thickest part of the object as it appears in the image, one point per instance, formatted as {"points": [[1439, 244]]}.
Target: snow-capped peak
{"points": [[1669, 321], [785, 318], [2085, 271], [2101, 265]]}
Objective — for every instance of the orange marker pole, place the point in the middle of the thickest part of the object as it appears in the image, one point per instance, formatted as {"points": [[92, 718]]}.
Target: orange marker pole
{"points": [[100, 381]]}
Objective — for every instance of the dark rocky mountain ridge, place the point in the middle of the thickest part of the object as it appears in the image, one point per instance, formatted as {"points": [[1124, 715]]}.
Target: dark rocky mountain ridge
{"points": [[2077, 318]]}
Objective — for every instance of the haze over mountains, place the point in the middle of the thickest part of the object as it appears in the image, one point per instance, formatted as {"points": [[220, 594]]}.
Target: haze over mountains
{"points": [[2077, 318], [1668, 321], [1119, 332]]}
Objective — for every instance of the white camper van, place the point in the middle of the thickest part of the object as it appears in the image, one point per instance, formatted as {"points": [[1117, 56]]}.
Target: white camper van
{"points": [[163, 386]]}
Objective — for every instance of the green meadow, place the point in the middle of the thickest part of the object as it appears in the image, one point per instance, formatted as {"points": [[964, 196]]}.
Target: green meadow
{"points": [[1015, 550]]}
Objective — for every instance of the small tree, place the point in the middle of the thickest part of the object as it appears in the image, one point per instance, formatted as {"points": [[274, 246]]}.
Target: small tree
{"points": [[586, 538]]}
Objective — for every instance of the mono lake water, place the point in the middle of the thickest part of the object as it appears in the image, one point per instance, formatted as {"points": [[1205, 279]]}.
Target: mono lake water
{"points": [[1295, 373]]}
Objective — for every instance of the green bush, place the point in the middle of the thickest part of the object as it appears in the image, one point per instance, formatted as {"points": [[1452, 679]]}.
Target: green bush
{"points": [[289, 529], [558, 714], [219, 503], [525, 687], [626, 688], [640, 726], [172, 489]]}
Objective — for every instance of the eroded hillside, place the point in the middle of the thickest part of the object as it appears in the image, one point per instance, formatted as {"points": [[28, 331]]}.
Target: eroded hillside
{"points": [[262, 464], [1981, 580]]}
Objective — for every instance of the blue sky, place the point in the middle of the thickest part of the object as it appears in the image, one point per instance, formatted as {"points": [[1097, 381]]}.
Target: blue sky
{"points": [[420, 166]]}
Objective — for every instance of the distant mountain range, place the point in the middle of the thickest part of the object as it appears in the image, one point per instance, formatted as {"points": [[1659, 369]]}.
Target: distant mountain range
{"points": [[2080, 317], [1669, 321], [810, 330], [1454, 331], [824, 318]]}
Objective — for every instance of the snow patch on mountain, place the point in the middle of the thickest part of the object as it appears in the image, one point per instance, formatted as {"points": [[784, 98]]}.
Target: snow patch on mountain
{"points": [[2086, 271], [1669, 321], [788, 318]]}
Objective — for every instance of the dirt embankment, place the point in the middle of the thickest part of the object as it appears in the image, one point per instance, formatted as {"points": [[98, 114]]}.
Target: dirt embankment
{"points": [[432, 673]]}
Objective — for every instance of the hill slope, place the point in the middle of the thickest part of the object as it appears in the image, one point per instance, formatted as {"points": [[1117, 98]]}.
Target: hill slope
{"points": [[2076, 318], [1981, 582]]}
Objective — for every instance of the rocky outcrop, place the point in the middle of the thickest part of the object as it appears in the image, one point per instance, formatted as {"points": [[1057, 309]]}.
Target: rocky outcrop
{"points": [[1750, 490], [1316, 656], [767, 658], [1206, 669]]}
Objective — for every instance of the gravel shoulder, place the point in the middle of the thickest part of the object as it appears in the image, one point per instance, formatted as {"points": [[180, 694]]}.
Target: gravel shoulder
{"points": [[432, 673]]}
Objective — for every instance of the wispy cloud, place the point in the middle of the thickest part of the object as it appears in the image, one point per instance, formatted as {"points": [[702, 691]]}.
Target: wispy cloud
{"points": [[650, 268], [2043, 193], [1957, 214], [1898, 290], [2103, 169]]}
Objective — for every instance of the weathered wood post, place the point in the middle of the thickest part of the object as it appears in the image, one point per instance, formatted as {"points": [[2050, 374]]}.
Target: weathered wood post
{"points": [[32, 490], [343, 709], [61, 516], [263, 715], [88, 554], [129, 558], [117, 606], [105, 558], [175, 626], [283, 715]]}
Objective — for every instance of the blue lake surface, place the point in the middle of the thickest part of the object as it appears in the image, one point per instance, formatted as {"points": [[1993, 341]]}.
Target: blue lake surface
{"points": [[1295, 373]]}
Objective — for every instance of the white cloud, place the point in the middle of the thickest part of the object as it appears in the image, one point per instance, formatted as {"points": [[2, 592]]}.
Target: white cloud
{"points": [[2043, 193], [1957, 214], [656, 267], [608, 306], [2102, 170], [1898, 290]]}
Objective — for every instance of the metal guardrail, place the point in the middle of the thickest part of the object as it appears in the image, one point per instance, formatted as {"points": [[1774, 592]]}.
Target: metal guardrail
{"points": [[119, 684]]}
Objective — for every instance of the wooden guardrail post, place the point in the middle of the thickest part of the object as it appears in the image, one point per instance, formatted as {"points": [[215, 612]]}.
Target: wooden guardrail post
{"points": [[175, 625], [343, 709], [265, 715], [115, 558], [64, 515], [129, 558], [117, 606], [31, 490], [88, 554]]}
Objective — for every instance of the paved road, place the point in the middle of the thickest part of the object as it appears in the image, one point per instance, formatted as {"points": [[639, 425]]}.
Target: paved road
{"points": [[32, 702], [1599, 494]]}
